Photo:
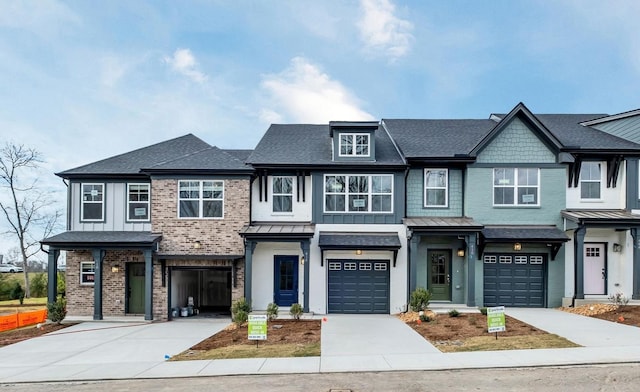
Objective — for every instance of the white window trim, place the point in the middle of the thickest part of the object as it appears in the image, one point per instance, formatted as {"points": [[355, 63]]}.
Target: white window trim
{"points": [[148, 202], [273, 195], [346, 193], [82, 274], [200, 200], [601, 181], [446, 188], [353, 141], [515, 187], [83, 202]]}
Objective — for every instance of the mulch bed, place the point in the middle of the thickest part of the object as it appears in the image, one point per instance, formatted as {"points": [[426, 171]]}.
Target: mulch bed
{"points": [[20, 334], [628, 315]]}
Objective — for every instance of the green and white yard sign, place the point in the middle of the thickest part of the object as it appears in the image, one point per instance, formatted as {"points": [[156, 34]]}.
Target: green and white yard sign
{"points": [[495, 319], [257, 327]]}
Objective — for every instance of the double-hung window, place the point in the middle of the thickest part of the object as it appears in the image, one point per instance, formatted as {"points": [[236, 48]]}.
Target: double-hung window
{"points": [[200, 199], [590, 180], [282, 194], [138, 202], [87, 272], [92, 208], [435, 187], [358, 193], [516, 187], [354, 144]]}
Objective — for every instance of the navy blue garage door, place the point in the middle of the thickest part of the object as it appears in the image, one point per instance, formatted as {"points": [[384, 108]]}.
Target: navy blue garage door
{"points": [[514, 280], [358, 286]]}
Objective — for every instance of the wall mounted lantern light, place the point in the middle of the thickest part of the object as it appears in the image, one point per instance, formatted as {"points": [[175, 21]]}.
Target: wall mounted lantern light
{"points": [[197, 245], [461, 252], [359, 252], [115, 268], [617, 247], [517, 246]]}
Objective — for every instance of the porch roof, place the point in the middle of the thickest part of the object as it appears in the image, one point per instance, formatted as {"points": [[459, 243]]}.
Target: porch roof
{"points": [[544, 234], [433, 223], [602, 217], [348, 240], [274, 230], [102, 239]]}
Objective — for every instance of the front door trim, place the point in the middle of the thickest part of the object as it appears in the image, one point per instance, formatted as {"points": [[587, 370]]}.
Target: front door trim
{"points": [[287, 296], [444, 276], [605, 274]]}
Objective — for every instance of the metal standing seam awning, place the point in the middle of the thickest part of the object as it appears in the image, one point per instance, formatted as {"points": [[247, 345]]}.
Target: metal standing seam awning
{"points": [[603, 218], [549, 235], [277, 231], [362, 241], [451, 225]]}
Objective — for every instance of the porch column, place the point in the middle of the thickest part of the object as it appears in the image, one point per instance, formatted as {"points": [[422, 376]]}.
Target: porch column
{"points": [[636, 264], [52, 275], [98, 256], [471, 269], [148, 285], [413, 263], [249, 247], [578, 241], [304, 245]]}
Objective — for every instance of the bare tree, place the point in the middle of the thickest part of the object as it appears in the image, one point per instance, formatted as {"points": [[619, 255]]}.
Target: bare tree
{"points": [[27, 209]]}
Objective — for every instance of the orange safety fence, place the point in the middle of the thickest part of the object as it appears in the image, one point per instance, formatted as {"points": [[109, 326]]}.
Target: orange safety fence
{"points": [[19, 320]]}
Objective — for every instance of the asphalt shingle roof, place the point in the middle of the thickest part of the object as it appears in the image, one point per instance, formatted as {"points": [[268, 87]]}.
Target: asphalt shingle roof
{"points": [[437, 138], [212, 158], [305, 144], [359, 240]]}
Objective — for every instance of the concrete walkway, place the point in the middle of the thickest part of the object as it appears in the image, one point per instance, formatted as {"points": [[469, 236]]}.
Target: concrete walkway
{"points": [[102, 350]]}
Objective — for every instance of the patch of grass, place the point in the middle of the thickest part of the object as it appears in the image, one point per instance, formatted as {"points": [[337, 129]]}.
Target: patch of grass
{"points": [[39, 301], [489, 343], [251, 351]]}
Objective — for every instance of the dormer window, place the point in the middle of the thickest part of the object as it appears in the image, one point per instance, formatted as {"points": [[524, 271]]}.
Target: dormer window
{"points": [[354, 145]]}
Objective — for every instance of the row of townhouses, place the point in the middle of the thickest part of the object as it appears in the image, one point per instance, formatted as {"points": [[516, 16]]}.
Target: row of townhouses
{"points": [[350, 217]]}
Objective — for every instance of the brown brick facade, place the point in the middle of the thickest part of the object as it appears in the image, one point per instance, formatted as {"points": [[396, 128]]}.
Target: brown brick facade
{"points": [[217, 237]]}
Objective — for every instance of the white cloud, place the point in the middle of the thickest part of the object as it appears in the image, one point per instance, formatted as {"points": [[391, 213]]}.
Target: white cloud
{"points": [[303, 93], [383, 33], [184, 62]]}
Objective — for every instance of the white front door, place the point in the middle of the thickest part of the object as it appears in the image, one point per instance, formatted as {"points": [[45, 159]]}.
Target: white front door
{"points": [[595, 272]]}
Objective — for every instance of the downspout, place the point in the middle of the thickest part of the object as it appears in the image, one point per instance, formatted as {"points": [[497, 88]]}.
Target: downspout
{"points": [[68, 205]]}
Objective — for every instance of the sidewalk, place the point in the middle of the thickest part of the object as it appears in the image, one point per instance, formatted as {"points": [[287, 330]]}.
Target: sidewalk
{"points": [[111, 350]]}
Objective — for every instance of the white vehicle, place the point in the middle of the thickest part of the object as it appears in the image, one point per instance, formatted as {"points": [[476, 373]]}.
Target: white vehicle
{"points": [[10, 268]]}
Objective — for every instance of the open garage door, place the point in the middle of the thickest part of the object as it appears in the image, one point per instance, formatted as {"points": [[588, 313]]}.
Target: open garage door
{"points": [[210, 289]]}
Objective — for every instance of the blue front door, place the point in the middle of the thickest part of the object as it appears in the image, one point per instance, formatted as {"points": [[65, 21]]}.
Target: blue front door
{"points": [[285, 285]]}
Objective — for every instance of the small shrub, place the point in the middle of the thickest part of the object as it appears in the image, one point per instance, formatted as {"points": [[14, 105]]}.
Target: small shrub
{"points": [[240, 310], [272, 311], [57, 311], [424, 318], [483, 311], [17, 292], [419, 300], [39, 285], [296, 311], [62, 285], [454, 313], [619, 299]]}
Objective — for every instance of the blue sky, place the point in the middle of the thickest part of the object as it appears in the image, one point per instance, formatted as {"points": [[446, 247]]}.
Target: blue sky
{"points": [[85, 80]]}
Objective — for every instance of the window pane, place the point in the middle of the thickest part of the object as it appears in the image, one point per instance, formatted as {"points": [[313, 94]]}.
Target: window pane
{"points": [[346, 144], [92, 192], [92, 211], [138, 211], [189, 189], [189, 209], [436, 178], [590, 171], [503, 176], [590, 190], [362, 144], [358, 203], [282, 185], [436, 197], [503, 195], [527, 176], [334, 203], [282, 204], [528, 195], [358, 184], [381, 203], [334, 184], [212, 209], [381, 184]]}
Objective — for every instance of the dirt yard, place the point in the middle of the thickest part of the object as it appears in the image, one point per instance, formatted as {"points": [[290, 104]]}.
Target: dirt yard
{"points": [[468, 332], [629, 314], [278, 332], [18, 335]]}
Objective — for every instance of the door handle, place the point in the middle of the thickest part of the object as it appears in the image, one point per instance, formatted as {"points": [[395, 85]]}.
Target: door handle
{"points": [[448, 278], [604, 274]]}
